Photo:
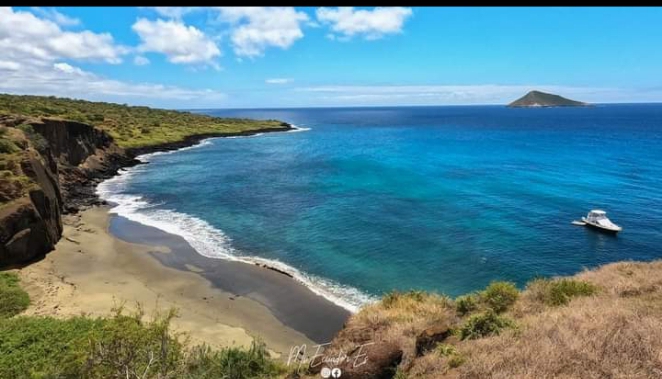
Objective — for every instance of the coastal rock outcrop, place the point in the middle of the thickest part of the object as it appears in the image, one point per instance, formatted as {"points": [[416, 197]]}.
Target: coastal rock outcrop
{"points": [[61, 169]]}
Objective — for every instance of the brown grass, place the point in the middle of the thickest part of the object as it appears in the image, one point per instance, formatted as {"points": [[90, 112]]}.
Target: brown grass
{"points": [[612, 332]]}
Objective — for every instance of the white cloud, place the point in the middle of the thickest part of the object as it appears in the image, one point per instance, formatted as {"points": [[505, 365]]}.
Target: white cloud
{"points": [[455, 94], [57, 17], [279, 81], [180, 43], [174, 12], [63, 79], [371, 24], [25, 37], [69, 69], [254, 29], [139, 60]]}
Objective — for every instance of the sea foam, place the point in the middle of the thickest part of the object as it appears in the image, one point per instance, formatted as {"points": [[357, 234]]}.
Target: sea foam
{"points": [[208, 240]]}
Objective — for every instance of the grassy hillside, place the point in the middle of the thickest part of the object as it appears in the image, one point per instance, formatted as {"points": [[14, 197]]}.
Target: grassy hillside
{"points": [[604, 323], [130, 126], [13, 182]]}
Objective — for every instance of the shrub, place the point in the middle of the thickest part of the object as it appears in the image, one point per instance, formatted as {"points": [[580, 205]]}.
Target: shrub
{"points": [[500, 296], [394, 296], [466, 304], [13, 299], [560, 292], [445, 350], [484, 324], [38, 141], [7, 146], [456, 361]]}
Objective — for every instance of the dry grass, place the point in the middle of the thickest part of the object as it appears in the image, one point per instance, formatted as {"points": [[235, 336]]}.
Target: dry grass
{"points": [[603, 323]]}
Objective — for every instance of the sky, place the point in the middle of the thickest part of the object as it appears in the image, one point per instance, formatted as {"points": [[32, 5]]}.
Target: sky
{"points": [[260, 57]]}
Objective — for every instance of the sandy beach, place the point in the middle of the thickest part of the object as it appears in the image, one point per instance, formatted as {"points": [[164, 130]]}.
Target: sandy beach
{"points": [[91, 271]]}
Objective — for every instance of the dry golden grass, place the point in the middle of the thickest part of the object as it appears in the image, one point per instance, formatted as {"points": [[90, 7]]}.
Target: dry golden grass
{"points": [[611, 327]]}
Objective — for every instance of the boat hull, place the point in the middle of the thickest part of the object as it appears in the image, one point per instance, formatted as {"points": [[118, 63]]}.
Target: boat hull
{"points": [[600, 228]]}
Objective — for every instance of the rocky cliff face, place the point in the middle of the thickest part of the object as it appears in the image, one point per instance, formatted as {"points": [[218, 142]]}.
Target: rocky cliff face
{"points": [[64, 171]]}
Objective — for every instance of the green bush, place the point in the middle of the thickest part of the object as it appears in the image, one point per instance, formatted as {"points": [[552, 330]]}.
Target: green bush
{"points": [[466, 304], [392, 297], [560, 292], [500, 296], [38, 141], [13, 299], [484, 324], [7, 146]]}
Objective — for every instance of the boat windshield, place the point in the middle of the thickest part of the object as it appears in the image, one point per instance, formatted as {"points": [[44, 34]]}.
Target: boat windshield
{"points": [[596, 216]]}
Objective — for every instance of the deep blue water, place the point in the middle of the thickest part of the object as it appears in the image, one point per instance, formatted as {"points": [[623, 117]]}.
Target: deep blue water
{"points": [[434, 198]]}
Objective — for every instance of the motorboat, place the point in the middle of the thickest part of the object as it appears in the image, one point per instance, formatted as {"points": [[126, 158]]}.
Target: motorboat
{"points": [[598, 219]]}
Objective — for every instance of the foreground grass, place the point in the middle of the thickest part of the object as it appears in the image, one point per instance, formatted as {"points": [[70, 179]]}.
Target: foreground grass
{"points": [[120, 346], [13, 299], [130, 126]]}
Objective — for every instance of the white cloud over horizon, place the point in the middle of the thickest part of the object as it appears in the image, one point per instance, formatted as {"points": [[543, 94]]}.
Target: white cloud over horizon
{"points": [[279, 81], [348, 22], [466, 94], [180, 43]]}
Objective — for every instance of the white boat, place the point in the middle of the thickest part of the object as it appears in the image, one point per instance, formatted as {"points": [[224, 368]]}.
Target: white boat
{"points": [[598, 219]]}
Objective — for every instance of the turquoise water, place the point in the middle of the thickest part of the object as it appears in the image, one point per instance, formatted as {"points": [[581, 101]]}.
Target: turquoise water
{"points": [[437, 198]]}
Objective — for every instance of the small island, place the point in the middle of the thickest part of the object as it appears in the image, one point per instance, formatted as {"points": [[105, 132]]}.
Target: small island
{"points": [[536, 99]]}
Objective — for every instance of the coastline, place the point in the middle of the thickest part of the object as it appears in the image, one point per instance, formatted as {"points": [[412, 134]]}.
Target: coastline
{"points": [[91, 271]]}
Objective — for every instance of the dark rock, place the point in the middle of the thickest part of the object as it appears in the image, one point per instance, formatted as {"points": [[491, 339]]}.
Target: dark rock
{"points": [[430, 337]]}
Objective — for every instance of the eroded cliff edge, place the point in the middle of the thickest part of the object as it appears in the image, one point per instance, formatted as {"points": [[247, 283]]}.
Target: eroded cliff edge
{"points": [[50, 167], [56, 167]]}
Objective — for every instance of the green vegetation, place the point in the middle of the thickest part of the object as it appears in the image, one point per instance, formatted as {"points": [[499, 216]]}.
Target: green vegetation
{"points": [[38, 141], [467, 303], [13, 299], [394, 297], [130, 126], [560, 292], [499, 296], [484, 324], [120, 346]]}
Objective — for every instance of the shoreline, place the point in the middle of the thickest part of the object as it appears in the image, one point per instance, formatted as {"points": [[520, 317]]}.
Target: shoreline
{"points": [[91, 271], [348, 298]]}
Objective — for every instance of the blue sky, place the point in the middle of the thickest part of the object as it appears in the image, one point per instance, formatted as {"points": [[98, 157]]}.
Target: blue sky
{"points": [[298, 57]]}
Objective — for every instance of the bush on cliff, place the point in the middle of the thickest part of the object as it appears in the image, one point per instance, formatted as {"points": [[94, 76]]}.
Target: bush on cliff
{"points": [[561, 291], [499, 296], [13, 299], [484, 324]]}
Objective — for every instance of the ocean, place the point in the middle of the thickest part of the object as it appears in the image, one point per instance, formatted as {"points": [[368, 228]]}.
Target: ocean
{"points": [[362, 201]]}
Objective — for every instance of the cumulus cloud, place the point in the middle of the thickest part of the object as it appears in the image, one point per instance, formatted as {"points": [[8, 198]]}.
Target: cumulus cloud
{"points": [[279, 81], [139, 60], [180, 43], [25, 37], [348, 22], [254, 29], [57, 17], [175, 12]]}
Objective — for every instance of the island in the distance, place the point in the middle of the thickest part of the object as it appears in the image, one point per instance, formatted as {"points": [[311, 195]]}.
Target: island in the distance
{"points": [[542, 99]]}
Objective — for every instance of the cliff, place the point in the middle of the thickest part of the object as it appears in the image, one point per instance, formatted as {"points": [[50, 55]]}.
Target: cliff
{"points": [[58, 163], [541, 99], [51, 165]]}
